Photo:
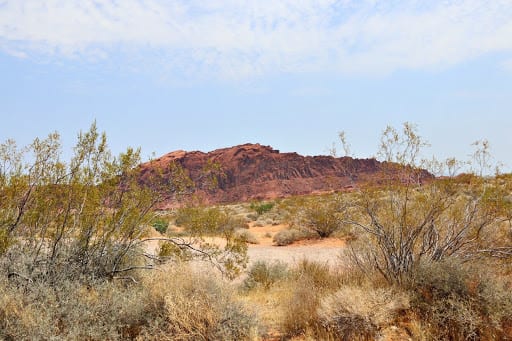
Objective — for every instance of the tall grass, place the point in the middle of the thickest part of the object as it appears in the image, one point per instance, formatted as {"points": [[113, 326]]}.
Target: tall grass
{"points": [[175, 304]]}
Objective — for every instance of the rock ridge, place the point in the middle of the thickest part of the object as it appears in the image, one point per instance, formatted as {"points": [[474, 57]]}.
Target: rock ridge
{"points": [[253, 171]]}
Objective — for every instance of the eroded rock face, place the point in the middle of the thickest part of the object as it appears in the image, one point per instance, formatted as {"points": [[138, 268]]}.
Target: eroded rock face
{"points": [[253, 171]]}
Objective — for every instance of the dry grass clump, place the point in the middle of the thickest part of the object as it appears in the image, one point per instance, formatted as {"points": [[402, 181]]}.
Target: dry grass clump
{"points": [[300, 312], [289, 236], [195, 307], [69, 311], [173, 305], [360, 313], [247, 236], [460, 303], [320, 275], [264, 274], [252, 217], [311, 282]]}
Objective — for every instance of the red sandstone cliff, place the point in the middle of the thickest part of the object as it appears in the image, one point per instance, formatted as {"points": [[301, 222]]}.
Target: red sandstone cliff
{"points": [[253, 171]]}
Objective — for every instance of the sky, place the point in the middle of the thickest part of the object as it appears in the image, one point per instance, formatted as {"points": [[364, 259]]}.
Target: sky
{"points": [[200, 75]]}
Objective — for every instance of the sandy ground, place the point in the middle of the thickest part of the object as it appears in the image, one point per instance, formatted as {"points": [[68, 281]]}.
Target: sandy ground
{"points": [[326, 250], [294, 254]]}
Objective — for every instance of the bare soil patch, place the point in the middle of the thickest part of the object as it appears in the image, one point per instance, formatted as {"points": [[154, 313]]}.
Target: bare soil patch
{"points": [[325, 250]]}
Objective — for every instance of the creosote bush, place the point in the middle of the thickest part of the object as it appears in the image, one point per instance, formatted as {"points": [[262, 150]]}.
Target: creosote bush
{"points": [[410, 218], [322, 218], [199, 220], [87, 219]]}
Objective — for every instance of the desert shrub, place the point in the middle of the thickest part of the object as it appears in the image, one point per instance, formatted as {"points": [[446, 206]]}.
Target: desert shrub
{"points": [[262, 208], [252, 217], [310, 281], [289, 236], [176, 305], [264, 274], [247, 236], [86, 219], [319, 275], [76, 219], [208, 221], [169, 251], [189, 306], [455, 302], [359, 313], [69, 310], [321, 218], [160, 225], [495, 293], [300, 310], [409, 218], [259, 224]]}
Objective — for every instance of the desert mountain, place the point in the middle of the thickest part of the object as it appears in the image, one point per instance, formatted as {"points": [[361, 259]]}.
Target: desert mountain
{"points": [[254, 171]]}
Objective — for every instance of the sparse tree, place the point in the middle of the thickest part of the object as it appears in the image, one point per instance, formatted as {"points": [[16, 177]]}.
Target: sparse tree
{"points": [[84, 219], [413, 218]]}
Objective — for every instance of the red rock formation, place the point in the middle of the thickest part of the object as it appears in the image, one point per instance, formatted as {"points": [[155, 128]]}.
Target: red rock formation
{"points": [[253, 171]]}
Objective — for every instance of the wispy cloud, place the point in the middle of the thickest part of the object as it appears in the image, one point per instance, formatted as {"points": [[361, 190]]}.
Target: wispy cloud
{"points": [[242, 39]]}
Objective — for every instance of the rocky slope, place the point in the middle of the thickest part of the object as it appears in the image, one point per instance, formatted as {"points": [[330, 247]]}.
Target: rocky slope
{"points": [[253, 171]]}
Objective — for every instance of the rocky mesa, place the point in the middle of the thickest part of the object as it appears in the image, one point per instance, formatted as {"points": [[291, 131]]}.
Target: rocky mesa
{"points": [[255, 172]]}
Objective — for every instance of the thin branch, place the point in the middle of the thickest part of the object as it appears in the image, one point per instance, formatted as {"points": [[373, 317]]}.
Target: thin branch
{"points": [[135, 267], [129, 278], [12, 274]]}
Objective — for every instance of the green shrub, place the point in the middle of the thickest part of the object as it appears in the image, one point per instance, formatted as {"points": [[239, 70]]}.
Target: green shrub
{"points": [[208, 221], [321, 218], [262, 208], [160, 225]]}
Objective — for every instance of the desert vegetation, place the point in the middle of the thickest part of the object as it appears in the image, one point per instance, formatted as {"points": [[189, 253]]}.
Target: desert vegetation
{"points": [[85, 253]]}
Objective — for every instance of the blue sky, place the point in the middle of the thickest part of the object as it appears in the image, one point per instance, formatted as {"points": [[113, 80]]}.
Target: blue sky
{"points": [[200, 75]]}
